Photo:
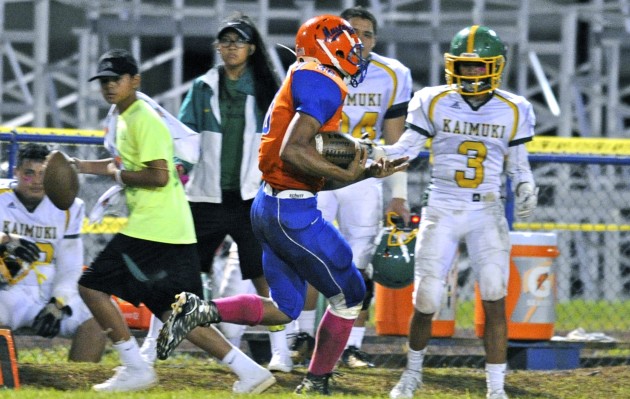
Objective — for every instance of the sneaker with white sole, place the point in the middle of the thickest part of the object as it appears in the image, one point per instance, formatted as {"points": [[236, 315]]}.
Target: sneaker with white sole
{"points": [[409, 381], [148, 350], [189, 312], [128, 379], [499, 394], [256, 384], [280, 363], [355, 358]]}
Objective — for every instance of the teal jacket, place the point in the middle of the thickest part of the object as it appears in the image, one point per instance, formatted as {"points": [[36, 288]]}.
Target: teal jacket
{"points": [[200, 111]]}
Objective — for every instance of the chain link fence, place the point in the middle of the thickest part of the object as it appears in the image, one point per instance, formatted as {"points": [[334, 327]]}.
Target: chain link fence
{"points": [[584, 199]]}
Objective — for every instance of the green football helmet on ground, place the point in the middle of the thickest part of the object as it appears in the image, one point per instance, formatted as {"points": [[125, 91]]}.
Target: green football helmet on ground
{"points": [[393, 260], [479, 45]]}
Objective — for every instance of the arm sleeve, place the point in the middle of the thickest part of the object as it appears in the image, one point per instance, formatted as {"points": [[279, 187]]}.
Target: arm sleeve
{"points": [[69, 266], [69, 257], [416, 135], [517, 166], [397, 184], [409, 144]]}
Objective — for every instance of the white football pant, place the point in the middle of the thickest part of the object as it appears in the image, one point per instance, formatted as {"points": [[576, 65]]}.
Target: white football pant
{"points": [[20, 304], [486, 235]]}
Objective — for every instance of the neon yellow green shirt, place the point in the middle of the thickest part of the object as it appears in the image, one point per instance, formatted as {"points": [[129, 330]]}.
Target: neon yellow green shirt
{"points": [[160, 214]]}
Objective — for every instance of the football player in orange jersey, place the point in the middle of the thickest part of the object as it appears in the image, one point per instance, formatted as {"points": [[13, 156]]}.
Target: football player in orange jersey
{"points": [[299, 246]]}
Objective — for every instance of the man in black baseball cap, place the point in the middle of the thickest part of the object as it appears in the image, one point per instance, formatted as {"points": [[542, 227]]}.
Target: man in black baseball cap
{"points": [[116, 62]]}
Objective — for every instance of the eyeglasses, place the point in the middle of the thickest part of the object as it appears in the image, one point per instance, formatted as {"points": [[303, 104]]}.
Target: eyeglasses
{"points": [[226, 42]]}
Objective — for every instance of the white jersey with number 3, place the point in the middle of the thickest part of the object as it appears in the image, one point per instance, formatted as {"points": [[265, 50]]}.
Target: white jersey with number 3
{"points": [[469, 146]]}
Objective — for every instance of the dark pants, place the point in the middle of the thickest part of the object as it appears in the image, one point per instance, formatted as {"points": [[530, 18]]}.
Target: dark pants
{"points": [[213, 222], [144, 271]]}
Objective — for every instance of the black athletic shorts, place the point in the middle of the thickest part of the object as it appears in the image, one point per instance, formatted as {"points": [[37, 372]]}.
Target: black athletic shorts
{"points": [[213, 222], [144, 271]]}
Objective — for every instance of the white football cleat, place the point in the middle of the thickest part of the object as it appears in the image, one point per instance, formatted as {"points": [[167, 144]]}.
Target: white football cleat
{"points": [[280, 363], [409, 381], [255, 384], [128, 379]]}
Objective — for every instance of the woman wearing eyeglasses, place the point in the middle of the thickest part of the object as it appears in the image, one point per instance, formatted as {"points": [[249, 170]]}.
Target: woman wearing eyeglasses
{"points": [[227, 105]]}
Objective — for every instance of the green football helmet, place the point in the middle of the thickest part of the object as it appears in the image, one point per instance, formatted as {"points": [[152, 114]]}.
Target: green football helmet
{"points": [[479, 45], [393, 260]]}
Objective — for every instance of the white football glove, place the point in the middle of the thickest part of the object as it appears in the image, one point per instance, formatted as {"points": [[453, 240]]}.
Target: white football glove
{"points": [[526, 200], [374, 151], [377, 153]]}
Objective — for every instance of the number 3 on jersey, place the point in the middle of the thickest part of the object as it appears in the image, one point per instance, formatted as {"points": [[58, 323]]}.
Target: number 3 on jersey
{"points": [[476, 153]]}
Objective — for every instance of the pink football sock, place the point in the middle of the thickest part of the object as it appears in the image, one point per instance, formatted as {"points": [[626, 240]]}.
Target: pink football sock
{"points": [[240, 309], [330, 342]]}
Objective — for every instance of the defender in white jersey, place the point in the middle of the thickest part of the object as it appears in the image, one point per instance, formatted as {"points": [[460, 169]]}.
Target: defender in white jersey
{"points": [[45, 295], [373, 110], [477, 133]]}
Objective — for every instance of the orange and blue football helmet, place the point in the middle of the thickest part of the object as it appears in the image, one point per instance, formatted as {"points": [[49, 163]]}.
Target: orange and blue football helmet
{"points": [[331, 40]]}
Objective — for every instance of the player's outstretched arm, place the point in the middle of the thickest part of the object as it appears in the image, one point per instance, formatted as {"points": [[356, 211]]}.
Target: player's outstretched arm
{"points": [[91, 167], [155, 174], [387, 167], [381, 168]]}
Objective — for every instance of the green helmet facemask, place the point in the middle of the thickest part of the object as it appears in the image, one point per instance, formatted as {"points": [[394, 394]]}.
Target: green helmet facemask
{"points": [[475, 45]]}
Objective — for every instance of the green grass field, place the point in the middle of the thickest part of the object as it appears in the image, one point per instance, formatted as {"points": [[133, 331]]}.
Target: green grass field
{"points": [[46, 374]]}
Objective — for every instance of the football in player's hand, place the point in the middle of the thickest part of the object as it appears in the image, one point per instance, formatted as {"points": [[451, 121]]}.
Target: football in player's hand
{"points": [[61, 182], [338, 148]]}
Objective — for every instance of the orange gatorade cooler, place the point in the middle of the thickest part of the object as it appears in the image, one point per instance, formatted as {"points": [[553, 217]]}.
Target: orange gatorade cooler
{"points": [[531, 297], [393, 269], [393, 274], [393, 309]]}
